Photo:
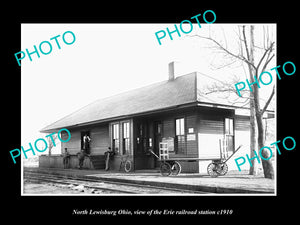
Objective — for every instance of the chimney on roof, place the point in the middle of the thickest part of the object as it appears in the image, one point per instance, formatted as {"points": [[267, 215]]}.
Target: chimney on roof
{"points": [[172, 71]]}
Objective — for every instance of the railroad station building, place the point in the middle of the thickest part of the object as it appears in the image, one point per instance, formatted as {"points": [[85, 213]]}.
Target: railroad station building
{"points": [[195, 122]]}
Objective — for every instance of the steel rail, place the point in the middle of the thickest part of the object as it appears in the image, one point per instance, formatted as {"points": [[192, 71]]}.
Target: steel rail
{"points": [[142, 188]]}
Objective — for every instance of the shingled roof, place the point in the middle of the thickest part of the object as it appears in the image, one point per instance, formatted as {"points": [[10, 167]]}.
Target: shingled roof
{"points": [[163, 95]]}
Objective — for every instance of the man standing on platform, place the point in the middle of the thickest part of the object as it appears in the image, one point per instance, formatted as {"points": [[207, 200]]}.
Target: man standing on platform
{"points": [[108, 155], [66, 159], [81, 156], [86, 143]]}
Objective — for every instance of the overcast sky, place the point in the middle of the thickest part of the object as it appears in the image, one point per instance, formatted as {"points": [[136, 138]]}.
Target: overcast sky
{"points": [[105, 59]]}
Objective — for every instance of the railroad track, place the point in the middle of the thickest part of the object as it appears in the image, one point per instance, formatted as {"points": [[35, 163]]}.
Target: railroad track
{"points": [[72, 182], [104, 186]]}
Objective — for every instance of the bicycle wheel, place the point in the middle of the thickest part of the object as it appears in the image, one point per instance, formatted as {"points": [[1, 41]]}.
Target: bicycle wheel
{"points": [[165, 169], [127, 166], [222, 168], [176, 168], [212, 170]]}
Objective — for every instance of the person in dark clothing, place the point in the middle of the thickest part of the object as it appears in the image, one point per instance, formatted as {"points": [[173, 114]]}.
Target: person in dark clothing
{"points": [[66, 159], [86, 143], [81, 156], [108, 155]]}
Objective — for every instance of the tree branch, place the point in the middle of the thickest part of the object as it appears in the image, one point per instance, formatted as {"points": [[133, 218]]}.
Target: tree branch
{"points": [[245, 43], [240, 57], [266, 63], [268, 50], [268, 101]]}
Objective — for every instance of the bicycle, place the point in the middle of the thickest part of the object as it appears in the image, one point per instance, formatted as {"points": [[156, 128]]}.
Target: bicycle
{"points": [[126, 163]]}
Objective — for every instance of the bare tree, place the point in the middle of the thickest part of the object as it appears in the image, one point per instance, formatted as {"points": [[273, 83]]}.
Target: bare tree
{"points": [[50, 142], [246, 56], [254, 71]]}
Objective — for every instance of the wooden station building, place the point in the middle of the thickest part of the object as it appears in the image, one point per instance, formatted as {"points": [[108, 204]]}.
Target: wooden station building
{"points": [[176, 110]]}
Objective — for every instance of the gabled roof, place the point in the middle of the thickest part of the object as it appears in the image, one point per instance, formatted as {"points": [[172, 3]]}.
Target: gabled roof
{"points": [[162, 95], [187, 89]]}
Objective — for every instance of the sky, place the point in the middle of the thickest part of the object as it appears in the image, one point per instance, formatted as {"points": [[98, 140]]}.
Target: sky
{"points": [[107, 59]]}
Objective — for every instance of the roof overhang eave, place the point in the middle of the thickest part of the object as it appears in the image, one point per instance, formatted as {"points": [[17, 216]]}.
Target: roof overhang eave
{"points": [[123, 117]]}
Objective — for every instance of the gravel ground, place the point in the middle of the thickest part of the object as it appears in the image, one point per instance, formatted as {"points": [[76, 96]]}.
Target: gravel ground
{"points": [[50, 189]]}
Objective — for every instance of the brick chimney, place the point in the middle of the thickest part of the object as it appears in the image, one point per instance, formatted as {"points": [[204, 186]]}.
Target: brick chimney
{"points": [[172, 75]]}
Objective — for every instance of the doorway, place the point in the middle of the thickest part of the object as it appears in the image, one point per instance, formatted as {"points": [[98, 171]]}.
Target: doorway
{"points": [[85, 141], [157, 139], [140, 143]]}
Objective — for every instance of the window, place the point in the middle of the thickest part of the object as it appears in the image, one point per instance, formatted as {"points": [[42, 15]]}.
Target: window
{"points": [[126, 135], [120, 137], [180, 143], [229, 137], [229, 126], [159, 128], [150, 142], [180, 126], [115, 138]]}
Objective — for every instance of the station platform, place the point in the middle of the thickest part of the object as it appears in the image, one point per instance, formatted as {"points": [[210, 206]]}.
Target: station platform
{"points": [[232, 183]]}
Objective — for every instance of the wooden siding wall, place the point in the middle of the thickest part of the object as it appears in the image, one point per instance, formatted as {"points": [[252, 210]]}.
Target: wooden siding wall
{"points": [[211, 129], [100, 140], [211, 120], [190, 122], [242, 137], [211, 125], [74, 144], [208, 122], [242, 123], [191, 144], [99, 143], [168, 127]]}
